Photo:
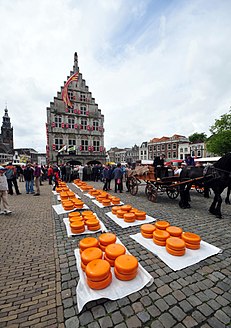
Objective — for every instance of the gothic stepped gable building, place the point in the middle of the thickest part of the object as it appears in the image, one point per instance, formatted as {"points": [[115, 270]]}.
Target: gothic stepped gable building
{"points": [[6, 139], [75, 125]]}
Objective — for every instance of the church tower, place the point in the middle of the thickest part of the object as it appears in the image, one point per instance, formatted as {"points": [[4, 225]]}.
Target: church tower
{"points": [[6, 139], [75, 124]]}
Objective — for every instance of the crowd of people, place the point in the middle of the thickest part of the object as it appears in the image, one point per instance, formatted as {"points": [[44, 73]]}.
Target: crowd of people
{"points": [[33, 175]]}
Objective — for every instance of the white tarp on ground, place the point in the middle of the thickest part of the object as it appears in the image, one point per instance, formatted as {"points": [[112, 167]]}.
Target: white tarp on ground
{"points": [[178, 262], [60, 210], [116, 290], [70, 233], [124, 224], [102, 206]]}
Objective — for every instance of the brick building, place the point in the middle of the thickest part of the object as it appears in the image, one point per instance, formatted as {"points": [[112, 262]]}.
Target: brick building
{"points": [[75, 124]]}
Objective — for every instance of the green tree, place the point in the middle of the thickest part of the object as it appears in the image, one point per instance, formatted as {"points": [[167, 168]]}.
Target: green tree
{"points": [[197, 137], [219, 142], [222, 124]]}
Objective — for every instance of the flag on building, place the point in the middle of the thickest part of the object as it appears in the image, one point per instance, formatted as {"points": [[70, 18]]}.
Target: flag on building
{"points": [[72, 148], [62, 149], [65, 96]]}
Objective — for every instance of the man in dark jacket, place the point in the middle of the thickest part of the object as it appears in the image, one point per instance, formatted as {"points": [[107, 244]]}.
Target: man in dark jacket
{"points": [[29, 178], [118, 176]]}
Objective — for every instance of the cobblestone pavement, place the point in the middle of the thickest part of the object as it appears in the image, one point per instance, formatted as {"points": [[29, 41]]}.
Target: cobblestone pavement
{"points": [[39, 275]]}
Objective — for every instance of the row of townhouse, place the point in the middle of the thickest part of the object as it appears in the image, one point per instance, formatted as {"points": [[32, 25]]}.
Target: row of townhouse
{"points": [[174, 147]]}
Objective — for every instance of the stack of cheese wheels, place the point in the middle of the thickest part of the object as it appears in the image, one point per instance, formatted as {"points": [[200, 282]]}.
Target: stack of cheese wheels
{"points": [[129, 217], [63, 195], [92, 224], [106, 202], [160, 237], [120, 214], [67, 205], [78, 203], [74, 215], [77, 226], [126, 267], [126, 208], [98, 274], [162, 225], [192, 240], [115, 200], [112, 251], [147, 230], [71, 194], [115, 209], [88, 214], [106, 239], [90, 254], [175, 246], [88, 242], [174, 231], [140, 215]]}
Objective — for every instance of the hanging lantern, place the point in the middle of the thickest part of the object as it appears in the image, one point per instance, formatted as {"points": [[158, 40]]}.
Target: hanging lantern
{"points": [[53, 124], [62, 125], [76, 126], [67, 125]]}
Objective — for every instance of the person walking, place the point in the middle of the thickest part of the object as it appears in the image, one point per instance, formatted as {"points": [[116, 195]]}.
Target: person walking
{"points": [[4, 192], [11, 175], [50, 173], [29, 178], [118, 176], [37, 173]]}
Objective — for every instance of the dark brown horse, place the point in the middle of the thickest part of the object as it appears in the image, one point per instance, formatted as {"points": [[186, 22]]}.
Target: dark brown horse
{"points": [[217, 177]]}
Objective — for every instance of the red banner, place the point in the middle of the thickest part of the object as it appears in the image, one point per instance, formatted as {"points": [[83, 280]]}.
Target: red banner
{"points": [[65, 96]]}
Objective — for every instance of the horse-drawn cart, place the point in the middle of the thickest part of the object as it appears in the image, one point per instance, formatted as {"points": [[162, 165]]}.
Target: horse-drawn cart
{"points": [[145, 176]]}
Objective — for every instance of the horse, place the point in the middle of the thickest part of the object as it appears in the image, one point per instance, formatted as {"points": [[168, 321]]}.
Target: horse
{"points": [[227, 201], [217, 177]]}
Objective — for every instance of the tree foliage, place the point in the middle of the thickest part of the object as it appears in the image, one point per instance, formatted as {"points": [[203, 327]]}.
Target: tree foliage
{"points": [[197, 137], [222, 124], [220, 141]]}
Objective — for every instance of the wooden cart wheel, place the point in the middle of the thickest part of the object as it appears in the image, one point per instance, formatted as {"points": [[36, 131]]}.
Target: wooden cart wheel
{"points": [[172, 193], [151, 192], [133, 186]]}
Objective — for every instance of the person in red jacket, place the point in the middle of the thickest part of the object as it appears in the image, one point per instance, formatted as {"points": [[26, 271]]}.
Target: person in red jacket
{"points": [[50, 173]]}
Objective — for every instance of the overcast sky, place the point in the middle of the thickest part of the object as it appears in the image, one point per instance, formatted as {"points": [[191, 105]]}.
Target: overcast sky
{"points": [[154, 67]]}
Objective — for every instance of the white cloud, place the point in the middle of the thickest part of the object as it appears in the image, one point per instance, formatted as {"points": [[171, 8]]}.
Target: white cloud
{"points": [[155, 68]]}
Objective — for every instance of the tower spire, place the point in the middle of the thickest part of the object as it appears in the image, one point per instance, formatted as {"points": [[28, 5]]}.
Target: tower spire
{"points": [[75, 67]]}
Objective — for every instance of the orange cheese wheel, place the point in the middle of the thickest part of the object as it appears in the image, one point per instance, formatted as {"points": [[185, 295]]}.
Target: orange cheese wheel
{"points": [[126, 208], [192, 246], [125, 277], [106, 202], [115, 201], [162, 225], [87, 213], [90, 254], [174, 252], [102, 247], [95, 228], [115, 209], [147, 235], [148, 228], [161, 234], [92, 222], [77, 218], [190, 237], [107, 238], [97, 270], [111, 262], [174, 231], [134, 210], [159, 242], [140, 215], [73, 215], [77, 231], [77, 224], [129, 217], [100, 284], [83, 266], [126, 264], [120, 214], [88, 242], [175, 243], [112, 251]]}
